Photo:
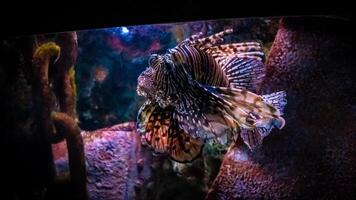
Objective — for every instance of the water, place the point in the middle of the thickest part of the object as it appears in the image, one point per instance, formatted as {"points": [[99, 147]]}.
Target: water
{"points": [[82, 116]]}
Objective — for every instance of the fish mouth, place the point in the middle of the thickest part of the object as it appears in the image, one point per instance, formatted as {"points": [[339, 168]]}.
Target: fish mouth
{"points": [[141, 88], [140, 91]]}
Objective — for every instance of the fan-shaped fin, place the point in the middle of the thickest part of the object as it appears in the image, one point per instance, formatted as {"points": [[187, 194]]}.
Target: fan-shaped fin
{"points": [[245, 73], [159, 130]]}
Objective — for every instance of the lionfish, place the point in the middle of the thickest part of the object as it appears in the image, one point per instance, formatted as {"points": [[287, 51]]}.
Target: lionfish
{"points": [[200, 89]]}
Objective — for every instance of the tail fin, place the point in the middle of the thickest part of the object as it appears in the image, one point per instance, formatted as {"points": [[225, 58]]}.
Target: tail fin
{"points": [[253, 138], [249, 109], [277, 99]]}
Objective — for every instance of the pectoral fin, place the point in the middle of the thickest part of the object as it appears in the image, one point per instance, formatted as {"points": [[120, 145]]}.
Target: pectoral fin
{"points": [[159, 130], [205, 107]]}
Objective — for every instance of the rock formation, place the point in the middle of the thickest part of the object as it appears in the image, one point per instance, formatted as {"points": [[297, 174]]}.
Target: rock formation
{"points": [[314, 156]]}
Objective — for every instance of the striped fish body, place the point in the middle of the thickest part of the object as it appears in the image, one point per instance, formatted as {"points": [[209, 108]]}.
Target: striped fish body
{"points": [[204, 88], [170, 75], [199, 65]]}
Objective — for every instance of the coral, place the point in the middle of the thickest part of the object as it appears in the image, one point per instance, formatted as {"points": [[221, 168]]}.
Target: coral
{"points": [[118, 167], [73, 85], [112, 156], [240, 177], [71, 132], [45, 51], [64, 73], [55, 90], [43, 57]]}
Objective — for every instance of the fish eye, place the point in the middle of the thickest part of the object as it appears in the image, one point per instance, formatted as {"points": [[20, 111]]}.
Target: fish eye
{"points": [[152, 60], [168, 65]]}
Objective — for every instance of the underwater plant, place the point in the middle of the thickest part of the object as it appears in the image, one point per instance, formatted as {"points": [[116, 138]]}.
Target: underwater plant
{"points": [[53, 66], [201, 91]]}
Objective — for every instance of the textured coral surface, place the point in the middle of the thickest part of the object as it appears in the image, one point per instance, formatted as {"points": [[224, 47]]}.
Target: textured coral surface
{"points": [[111, 156], [314, 156], [118, 167]]}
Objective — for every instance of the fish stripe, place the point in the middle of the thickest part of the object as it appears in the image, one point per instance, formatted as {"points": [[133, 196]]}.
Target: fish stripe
{"points": [[207, 87]]}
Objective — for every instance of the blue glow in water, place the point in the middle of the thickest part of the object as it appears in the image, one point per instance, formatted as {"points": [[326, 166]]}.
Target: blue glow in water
{"points": [[124, 30], [121, 32]]}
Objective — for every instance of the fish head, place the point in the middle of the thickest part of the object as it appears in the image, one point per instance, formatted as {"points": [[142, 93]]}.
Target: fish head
{"points": [[145, 86], [153, 78]]}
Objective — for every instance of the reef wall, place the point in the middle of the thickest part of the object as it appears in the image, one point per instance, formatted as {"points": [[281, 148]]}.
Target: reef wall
{"points": [[314, 156]]}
